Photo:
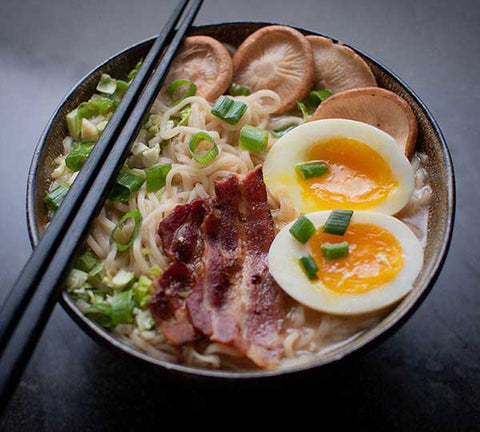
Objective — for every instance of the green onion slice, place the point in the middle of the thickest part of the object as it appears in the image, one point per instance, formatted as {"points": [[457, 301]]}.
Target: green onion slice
{"points": [[331, 251], [309, 170], [131, 75], [184, 116], [86, 261], [97, 105], [107, 84], [79, 154], [141, 292], [229, 109], [122, 87], [156, 176], [55, 197], [137, 219], [191, 90], [127, 184], [278, 133], [315, 98], [101, 313], [302, 229], [206, 156], [238, 90], [122, 306], [309, 266], [337, 222], [100, 105], [303, 109], [253, 139]]}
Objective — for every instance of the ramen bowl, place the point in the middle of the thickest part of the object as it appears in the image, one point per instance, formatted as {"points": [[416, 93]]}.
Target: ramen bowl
{"points": [[430, 142]]}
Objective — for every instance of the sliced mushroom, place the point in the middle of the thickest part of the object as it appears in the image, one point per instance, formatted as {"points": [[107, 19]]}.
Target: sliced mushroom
{"points": [[378, 107], [337, 67], [206, 62], [278, 58]]}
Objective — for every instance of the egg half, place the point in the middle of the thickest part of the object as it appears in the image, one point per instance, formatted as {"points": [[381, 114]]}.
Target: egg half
{"points": [[367, 170], [384, 258]]}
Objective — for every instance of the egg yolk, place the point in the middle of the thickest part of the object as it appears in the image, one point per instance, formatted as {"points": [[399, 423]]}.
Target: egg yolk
{"points": [[374, 258], [358, 177]]}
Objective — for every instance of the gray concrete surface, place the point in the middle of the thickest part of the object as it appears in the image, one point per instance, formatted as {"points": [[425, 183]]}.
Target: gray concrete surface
{"points": [[426, 377]]}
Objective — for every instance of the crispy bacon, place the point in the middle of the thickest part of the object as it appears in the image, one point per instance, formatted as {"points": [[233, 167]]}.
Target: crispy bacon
{"points": [[218, 284], [168, 303], [210, 301], [235, 300], [265, 304], [182, 242]]}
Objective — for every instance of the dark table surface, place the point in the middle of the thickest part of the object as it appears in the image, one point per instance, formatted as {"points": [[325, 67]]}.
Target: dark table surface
{"points": [[425, 377]]}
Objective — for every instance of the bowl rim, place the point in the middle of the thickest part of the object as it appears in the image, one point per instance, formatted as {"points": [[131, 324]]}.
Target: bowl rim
{"points": [[363, 342]]}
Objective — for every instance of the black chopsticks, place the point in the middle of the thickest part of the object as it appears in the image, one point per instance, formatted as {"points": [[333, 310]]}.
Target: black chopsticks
{"points": [[26, 311]]}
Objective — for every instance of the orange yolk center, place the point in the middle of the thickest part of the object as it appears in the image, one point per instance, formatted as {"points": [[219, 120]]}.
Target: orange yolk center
{"points": [[358, 177], [374, 258]]}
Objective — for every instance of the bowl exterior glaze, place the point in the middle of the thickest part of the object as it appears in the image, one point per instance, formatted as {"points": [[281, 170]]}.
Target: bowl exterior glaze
{"points": [[430, 141]]}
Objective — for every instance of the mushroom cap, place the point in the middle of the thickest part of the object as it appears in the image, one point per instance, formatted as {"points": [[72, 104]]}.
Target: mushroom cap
{"points": [[338, 67], [278, 58], [206, 62], [377, 107]]}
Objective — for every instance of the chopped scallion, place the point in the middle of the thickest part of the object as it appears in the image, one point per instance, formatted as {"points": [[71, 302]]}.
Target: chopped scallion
{"points": [[97, 105], [337, 222], [309, 266], [131, 75], [86, 261], [309, 170], [253, 139], [107, 84], [122, 279], [302, 229], [74, 123], [79, 154], [278, 133], [155, 271], [191, 90], [184, 116], [229, 109], [303, 109], [156, 176], [315, 98], [75, 279], [331, 251], [55, 197], [137, 219], [95, 274], [203, 157], [127, 184], [101, 313], [122, 306], [238, 90], [122, 87], [141, 292]]}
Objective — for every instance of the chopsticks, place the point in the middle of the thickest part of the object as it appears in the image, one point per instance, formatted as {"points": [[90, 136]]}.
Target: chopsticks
{"points": [[26, 311]]}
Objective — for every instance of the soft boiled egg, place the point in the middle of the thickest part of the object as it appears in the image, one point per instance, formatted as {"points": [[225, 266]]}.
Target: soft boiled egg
{"points": [[383, 259], [365, 168]]}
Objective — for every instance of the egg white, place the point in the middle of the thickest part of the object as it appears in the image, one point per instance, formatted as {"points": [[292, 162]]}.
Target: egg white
{"points": [[279, 166], [285, 252]]}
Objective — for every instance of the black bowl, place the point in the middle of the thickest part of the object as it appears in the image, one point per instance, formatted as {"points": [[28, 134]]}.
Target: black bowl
{"points": [[430, 141]]}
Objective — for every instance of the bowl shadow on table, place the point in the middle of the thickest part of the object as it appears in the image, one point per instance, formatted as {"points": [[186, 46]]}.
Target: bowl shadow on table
{"points": [[346, 392]]}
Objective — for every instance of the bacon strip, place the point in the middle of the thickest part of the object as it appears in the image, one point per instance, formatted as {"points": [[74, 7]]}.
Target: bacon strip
{"points": [[265, 304], [212, 294], [218, 284], [182, 242], [235, 300]]}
